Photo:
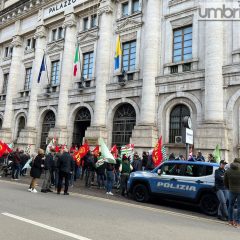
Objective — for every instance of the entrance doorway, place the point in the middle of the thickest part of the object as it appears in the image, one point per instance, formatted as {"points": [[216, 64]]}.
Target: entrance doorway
{"points": [[48, 123], [123, 123], [81, 123]]}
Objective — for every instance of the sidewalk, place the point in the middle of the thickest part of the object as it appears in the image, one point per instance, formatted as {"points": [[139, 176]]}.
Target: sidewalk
{"points": [[78, 187]]}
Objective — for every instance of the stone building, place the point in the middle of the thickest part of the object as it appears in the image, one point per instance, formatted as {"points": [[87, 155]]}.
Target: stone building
{"points": [[173, 65]]}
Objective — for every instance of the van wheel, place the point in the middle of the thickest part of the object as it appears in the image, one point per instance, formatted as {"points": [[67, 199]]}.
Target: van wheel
{"points": [[140, 193], [209, 204]]}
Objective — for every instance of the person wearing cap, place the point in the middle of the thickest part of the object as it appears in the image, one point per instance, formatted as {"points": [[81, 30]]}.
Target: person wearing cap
{"points": [[137, 163], [200, 157], [125, 170], [221, 191], [232, 183]]}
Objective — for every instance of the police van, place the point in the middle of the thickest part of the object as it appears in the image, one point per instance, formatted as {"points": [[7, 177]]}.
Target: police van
{"points": [[178, 180]]}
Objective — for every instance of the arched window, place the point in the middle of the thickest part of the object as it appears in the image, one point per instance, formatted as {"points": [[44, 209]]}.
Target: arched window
{"points": [[123, 123], [21, 125], [48, 123], [81, 123], [176, 121]]}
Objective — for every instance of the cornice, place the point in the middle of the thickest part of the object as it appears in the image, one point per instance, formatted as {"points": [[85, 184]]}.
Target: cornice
{"points": [[185, 11], [21, 9]]}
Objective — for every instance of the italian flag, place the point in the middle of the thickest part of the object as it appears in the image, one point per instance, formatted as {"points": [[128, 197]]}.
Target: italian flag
{"points": [[76, 61]]}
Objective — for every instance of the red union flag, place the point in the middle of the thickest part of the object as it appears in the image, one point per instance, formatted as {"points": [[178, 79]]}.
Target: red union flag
{"points": [[2, 148], [96, 151], [81, 153], [157, 153], [114, 151]]}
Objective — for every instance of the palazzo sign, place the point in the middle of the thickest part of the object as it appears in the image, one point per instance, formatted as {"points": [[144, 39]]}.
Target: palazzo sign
{"points": [[60, 7]]}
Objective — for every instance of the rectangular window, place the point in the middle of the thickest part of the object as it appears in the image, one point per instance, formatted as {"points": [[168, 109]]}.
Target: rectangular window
{"points": [[125, 9], [87, 65], [135, 6], [31, 42], [55, 72], [28, 79], [54, 35], [182, 44], [60, 33], [8, 52], [28, 43], [85, 24], [57, 34], [5, 83], [129, 56], [93, 21]]}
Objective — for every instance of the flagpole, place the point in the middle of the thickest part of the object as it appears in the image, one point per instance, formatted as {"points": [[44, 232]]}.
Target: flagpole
{"points": [[45, 59], [80, 62]]}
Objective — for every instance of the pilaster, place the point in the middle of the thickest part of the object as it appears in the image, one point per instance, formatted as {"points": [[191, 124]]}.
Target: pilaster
{"points": [[104, 64], [146, 132], [70, 44], [29, 134], [213, 70], [14, 74]]}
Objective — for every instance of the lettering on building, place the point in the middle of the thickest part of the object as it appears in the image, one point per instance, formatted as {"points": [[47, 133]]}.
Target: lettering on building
{"points": [[59, 7]]}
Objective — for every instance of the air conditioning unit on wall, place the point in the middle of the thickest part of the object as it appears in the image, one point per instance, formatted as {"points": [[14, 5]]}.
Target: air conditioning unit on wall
{"points": [[178, 139]]}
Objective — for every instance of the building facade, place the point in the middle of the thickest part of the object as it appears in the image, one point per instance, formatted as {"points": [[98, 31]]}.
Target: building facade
{"points": [[173, 65]]}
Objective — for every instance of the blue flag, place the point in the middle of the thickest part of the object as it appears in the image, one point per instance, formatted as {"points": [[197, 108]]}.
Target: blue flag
{"points": [[42, 69]]}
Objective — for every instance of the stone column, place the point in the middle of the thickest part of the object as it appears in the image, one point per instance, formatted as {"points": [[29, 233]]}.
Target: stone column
{"points": [[213, 129], [29, 135], [145, 134], [213, 71], [103, 65], [6, 132], [60, 131]]}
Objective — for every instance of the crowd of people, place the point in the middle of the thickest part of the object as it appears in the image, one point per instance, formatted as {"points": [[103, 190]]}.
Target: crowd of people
{"points": [[60, 167], [227, 184]]}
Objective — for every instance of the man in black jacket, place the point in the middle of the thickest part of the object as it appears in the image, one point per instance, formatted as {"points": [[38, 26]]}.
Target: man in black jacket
{"points": [[48, 165], [222, 192], [90, 168], [232, 183], [65, 166]]}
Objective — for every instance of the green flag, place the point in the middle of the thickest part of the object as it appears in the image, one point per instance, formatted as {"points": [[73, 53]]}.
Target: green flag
{"points": [[217, 154], [105, 153]]}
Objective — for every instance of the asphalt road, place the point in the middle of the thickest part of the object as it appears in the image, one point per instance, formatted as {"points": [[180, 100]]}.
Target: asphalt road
{"points": [[25, 216]]}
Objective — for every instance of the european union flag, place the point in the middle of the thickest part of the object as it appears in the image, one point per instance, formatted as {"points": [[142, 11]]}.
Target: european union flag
{"points": [[42, 69]]}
